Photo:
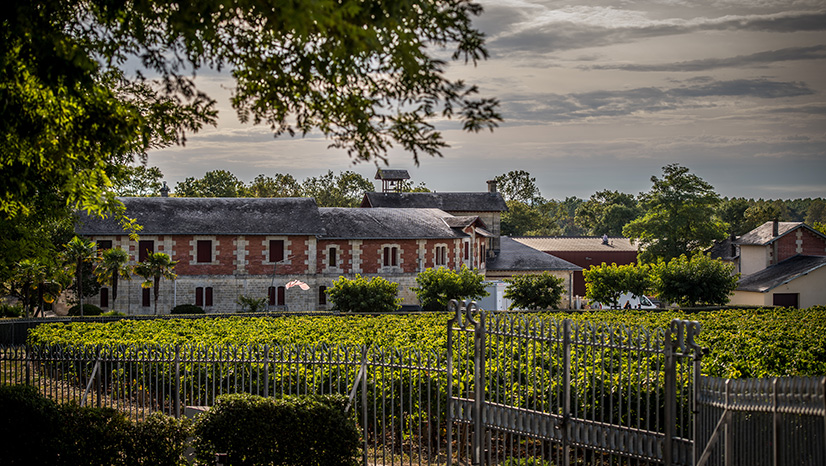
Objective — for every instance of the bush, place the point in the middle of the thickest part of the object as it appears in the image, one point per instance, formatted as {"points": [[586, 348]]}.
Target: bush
{"points": [[606, 283], [251, 304], [438, 286], [113, 314], [88, 310], [699, 280], [7, 310], [364, 295], [542, 291], [252, 430], [187, 309], [37, 431]]}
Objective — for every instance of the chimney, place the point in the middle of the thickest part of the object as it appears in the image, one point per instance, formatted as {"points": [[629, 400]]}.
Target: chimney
{"points": [[165, 190], [491, 186], [775, 228]]}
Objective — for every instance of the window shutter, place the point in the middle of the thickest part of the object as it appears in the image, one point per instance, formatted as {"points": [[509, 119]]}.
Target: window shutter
{"points": [[276, 250], [204, 251], [199, 296], [104, 297], [271, 296], [145, 301], [145, 247], [208, 296], [322, 295], [281, 292]]}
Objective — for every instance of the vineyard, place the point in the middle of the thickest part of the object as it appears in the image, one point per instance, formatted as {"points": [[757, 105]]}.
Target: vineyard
{"points": [[742, 343]]}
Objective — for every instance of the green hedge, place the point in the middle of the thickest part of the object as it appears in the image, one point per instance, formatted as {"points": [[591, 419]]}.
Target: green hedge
{"points": [[37, 431], [252, 430], [187, 309], [88, 310]]}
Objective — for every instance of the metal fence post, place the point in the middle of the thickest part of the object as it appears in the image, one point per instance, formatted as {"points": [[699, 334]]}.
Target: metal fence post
{"points": [[364, 400], [566, 392], [776, 425], [478, 385], [670, 414], [177, 381]]}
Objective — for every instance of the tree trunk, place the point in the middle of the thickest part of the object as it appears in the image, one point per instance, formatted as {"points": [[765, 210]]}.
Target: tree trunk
{"points": [[157, 282], [79, 279], [114, 290]]}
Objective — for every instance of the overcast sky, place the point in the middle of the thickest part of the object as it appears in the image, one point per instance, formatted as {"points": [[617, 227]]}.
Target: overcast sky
{"points": [[601, 95]]}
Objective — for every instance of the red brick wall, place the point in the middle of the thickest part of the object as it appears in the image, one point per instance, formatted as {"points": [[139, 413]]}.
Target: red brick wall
{"points": [[344, 255], [372, 255], [812, 245]]}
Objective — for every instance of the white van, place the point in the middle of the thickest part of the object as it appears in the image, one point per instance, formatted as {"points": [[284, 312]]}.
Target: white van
{"points": [[627, 300]]}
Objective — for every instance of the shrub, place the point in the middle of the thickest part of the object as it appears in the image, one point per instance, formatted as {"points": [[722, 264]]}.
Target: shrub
{"points": [[29, 424], [606, 283], [438, 286], [88, 310], [535, 291], [7, 310], [364, 295], [251, 304], [252, 430], [699, 280], [187, 309], [113, 314]]}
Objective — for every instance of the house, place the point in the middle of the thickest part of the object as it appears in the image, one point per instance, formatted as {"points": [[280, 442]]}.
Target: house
{"points": [[226, 247], [584, 251], [781, 264]]}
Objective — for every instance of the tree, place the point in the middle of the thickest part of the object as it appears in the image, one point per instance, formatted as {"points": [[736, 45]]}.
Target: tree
{"points": [[530, 220], [606, 213], [699, 280], [762, 212], [30, 274], [138, 181], [680, 216], [364, 295], [216, 183], [113, 264], [606, 283], [732, 211], [816, 212], [438, 286], [518, 185], [90, 84], [156, 266], [79, 251], [542, 291], [343, 190], [280, 185]]}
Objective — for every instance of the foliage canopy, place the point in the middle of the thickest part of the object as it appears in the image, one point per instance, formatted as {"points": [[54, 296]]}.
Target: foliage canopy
{"points": [[534, 292], [436, 287]]}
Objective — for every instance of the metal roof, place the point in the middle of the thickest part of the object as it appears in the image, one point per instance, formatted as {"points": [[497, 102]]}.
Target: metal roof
{"points": [[577, 243]]}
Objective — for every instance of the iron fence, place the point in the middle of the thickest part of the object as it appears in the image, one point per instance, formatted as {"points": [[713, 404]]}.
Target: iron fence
{"points": [[771, 421]]}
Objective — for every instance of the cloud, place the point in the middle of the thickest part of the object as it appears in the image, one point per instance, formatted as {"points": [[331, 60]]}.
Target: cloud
{"points": [[756, 59], [704, 92]]}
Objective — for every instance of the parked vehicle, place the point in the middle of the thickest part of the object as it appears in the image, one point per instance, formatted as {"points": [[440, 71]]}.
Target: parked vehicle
{"points": [[626, 301]]}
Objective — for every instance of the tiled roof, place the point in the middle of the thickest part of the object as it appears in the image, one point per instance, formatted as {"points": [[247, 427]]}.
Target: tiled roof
{"points": [[211, 216], [385, 174], [342, 222], [763, 234], [576, 243], [449, 202], [778, 274], [515, 256]]}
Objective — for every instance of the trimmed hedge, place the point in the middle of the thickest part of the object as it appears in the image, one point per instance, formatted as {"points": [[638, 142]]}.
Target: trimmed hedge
{"points": [[37, 431], [88, 310], [187, 309], [298, 431]]}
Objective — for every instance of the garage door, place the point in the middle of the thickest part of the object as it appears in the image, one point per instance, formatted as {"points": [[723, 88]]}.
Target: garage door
{"points": [[786, 299]]}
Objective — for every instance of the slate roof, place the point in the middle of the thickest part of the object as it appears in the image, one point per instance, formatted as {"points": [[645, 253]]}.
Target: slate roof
{"points": [[449, 202], [515, 256], [762, 235], [722, 249], [212, 216], [381, 223], [781, 273], [576, 243], [385, 174]]}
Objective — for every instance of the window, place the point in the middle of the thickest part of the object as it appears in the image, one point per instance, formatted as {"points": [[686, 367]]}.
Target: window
{"points": [[145, 297], [276, 250], [441, 255], [467, 251], [280, 298], [482, 253], [145, 247], [391, 256], [204, 251], [203, 296], [271, 296], [322, 295], [332, 257], [104, 245], [104, 297]]}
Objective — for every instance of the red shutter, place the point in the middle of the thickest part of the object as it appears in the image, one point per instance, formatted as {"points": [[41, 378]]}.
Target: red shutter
{"points": [[145, 247], [322, 295], [281, 291], [104, 297], [208, 296], [386, 257], [145, 301], [333, 261], [467, 251], [199, 296], [394, 256], [271, 296], [276, 250], [204, 251]]}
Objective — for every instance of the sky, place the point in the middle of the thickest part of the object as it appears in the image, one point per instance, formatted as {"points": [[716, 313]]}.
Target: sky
{"points": [[598, 95]]}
